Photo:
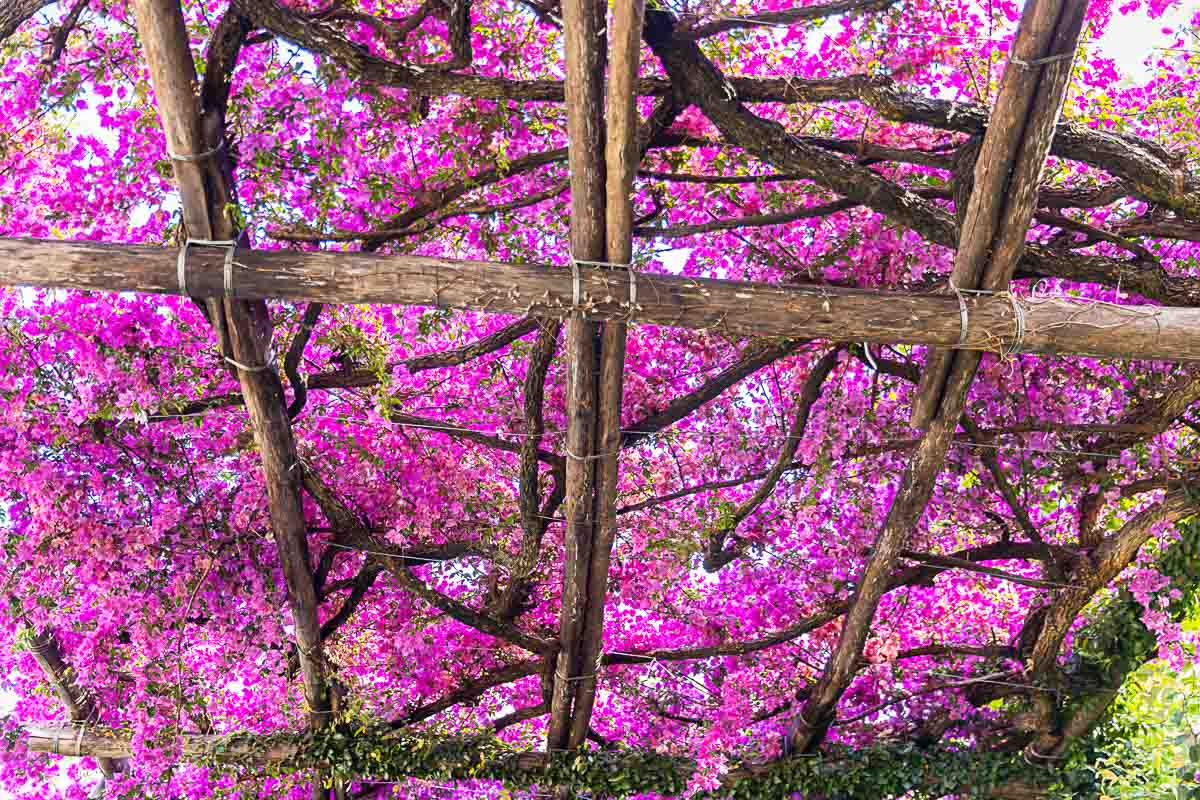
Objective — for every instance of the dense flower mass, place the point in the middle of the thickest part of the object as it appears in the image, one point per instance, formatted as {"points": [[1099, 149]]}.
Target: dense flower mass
{"points": [[143, 590]]}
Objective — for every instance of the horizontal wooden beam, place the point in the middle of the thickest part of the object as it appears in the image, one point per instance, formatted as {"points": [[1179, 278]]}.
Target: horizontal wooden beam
{"points": [[1059, 325]]}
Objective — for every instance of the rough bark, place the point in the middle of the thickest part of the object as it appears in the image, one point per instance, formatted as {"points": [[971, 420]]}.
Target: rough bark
{"points": [[1045, 23], [1007, 172], [739, 309], [583, 26], [13, 14], [205, 194], [621, 157]]}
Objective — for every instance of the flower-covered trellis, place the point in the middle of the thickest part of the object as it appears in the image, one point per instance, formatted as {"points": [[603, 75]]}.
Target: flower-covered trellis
{"points": [[554, 398]]}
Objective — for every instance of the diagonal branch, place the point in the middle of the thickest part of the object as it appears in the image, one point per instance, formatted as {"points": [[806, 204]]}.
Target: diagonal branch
{"points": [[753, 359], [783, 18], [533, 522], [77, 701], [354, 533], [716, 554]]}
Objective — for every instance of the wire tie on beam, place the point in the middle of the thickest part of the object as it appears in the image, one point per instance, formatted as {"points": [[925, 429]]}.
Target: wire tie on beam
{"points": [[248, 368], [79, 741], [1037, 62], [574, 285], [633, 287], [54, 746], [230, 247], [1019, 321], [194, 157], [963, 315]]}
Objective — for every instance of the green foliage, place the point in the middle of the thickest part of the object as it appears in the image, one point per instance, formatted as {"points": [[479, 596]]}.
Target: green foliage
{"points": [[1151, 748], [1147, 747], [348, 750]]}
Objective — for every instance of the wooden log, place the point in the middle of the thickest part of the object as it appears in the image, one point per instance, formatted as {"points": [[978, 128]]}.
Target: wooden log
{"points": [[1054, 325], [1005, 224], [621, 162], [243, 327], [989, 204], [583, 31]]}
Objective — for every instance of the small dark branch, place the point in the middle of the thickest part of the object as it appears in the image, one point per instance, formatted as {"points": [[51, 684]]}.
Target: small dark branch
{"points": [[533, 522], [657, 708], [226, 43], [866, 153], [1161, 228], [469, 690], [295, 353], [752, 360], [716, 554], [657, 207], [458, 432], [62, 33], [197, 407], [415, 556], [949, 562], [680, 177], [990, 651], [321, 574], [361, 585], [356, 533], [520, 715], [691, 490], [547, 13], [461, 355], [753, 221], [461, 612], [806, 625], [431, 202], [501, 208], [782, 18], [1103, 195], [1093, 234], [929, 690], [1003, 486]]}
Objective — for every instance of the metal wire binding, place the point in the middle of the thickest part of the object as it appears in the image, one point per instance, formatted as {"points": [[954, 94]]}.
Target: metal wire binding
{"points": [[575, 262], [193, 157], [963, 314], [1037, 62], [230, 247], [1019, 333]]}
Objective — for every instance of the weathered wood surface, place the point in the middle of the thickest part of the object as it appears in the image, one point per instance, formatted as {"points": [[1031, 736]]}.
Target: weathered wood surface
{"points": [[992, 239], [737, 308], [621, 161], [242, 327], [1007, 172], [584, 40]]}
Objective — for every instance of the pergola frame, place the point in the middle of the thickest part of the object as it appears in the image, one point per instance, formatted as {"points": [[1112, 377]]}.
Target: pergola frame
{"points": [[600, 298]]}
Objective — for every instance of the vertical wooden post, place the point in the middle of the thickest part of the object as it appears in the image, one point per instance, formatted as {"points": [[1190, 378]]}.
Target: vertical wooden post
{"points": [[621, 161], [583, 28], [990, 212]]}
